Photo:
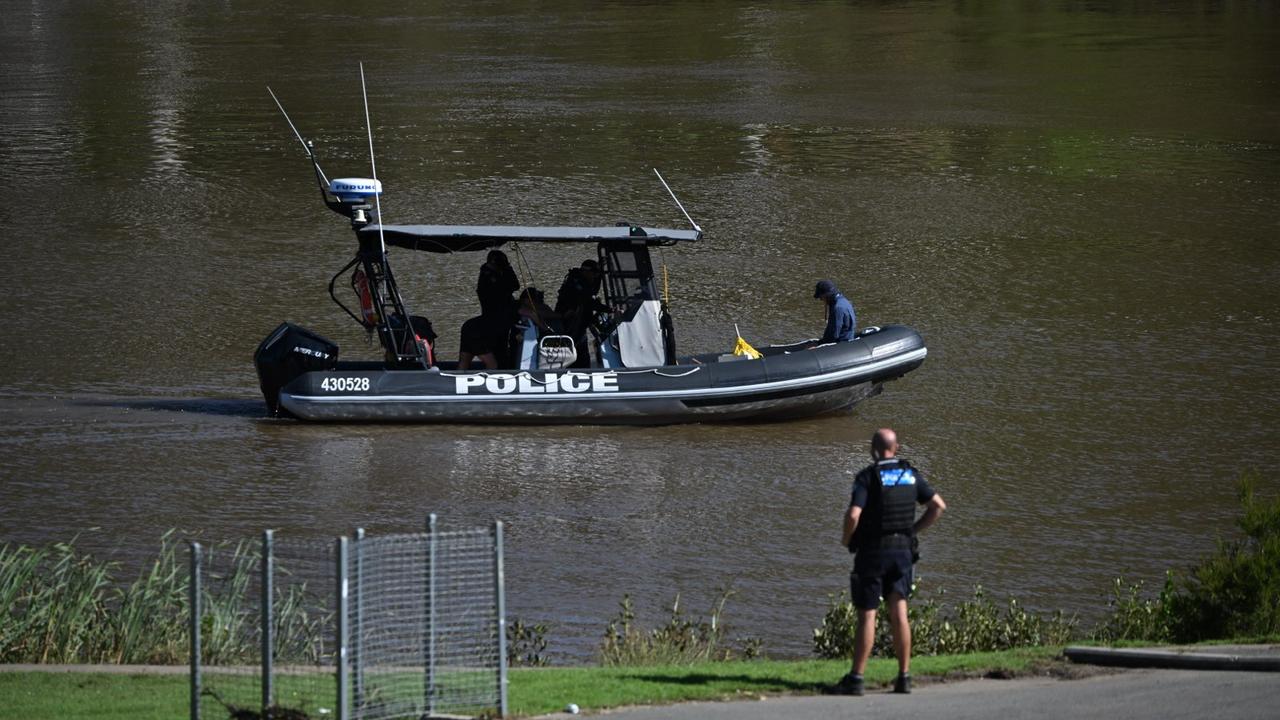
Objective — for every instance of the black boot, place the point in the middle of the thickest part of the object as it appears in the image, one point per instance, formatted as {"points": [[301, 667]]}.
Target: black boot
{"points": [[850, 684], [902, 685]]}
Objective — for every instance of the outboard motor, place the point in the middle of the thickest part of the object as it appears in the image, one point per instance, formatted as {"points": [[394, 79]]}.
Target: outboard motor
{"points": [[289, 351]]}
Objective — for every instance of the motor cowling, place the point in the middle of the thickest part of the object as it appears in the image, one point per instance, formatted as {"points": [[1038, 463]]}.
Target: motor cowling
{"points": [[289, 351]]}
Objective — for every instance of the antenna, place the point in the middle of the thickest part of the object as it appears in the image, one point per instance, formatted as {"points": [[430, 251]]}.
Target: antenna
{"points": [[373, 165], [673, 197], [298, 135]]}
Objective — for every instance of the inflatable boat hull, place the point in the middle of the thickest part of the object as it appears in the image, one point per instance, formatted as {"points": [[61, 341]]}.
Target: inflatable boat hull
{"points": [[789, 382]]}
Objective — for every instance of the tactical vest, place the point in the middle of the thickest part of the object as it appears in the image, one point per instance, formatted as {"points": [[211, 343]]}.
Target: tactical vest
{"points": [[893, 494], [897, 498]]}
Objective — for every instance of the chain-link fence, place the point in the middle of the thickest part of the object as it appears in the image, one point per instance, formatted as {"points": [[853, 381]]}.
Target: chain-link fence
{"points": [[396, 626]]}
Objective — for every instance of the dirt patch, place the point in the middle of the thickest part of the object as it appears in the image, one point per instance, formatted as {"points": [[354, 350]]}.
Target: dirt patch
{"points": [[1064, 669]]}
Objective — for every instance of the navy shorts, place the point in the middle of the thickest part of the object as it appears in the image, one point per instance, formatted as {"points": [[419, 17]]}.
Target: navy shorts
{"points": [[877, 573]]}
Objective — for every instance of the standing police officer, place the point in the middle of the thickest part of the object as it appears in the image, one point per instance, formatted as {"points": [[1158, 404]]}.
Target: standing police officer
{"points": [[881, 526]]}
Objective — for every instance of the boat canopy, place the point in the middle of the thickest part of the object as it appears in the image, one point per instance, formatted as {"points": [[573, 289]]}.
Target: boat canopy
{"points": [[467, 238]]}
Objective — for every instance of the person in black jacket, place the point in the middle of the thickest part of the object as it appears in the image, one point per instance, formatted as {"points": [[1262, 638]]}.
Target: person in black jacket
{"points": [[576, 304], [486, 336], [494, 286], [880, 526]]}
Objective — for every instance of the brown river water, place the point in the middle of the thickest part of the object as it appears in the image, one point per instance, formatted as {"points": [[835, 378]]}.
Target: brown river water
{"points": [[1076, 203]]}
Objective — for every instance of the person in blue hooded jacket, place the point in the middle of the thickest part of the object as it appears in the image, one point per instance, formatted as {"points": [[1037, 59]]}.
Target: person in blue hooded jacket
{"points": [[841, 322]]}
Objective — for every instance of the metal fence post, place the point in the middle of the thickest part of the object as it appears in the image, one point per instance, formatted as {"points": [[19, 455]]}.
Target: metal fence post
{"points": [[268, 636], [429, 649], [344, 704], [193, 605], [501, 611], [357, 612]]}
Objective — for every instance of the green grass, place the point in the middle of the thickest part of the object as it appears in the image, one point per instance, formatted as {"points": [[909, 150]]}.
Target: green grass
{"points": [[537, 691], [533, 691], [96, 696], [1258, 640], [1254, 640]]}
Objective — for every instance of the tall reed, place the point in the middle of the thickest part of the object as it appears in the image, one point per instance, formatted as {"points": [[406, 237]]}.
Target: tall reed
{"points": [[53, 604], [149, 624], [58, 605]]}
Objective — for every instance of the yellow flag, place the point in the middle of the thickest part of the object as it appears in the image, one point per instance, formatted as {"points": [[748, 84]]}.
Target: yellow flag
{"points": [[744, 348]]}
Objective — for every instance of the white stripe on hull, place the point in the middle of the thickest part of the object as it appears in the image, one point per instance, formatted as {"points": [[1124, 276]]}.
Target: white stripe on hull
{"points": [[757, 388], [634, 407]]}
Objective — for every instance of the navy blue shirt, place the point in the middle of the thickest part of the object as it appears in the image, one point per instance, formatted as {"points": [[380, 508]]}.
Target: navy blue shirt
{"points": [[840, 321]]}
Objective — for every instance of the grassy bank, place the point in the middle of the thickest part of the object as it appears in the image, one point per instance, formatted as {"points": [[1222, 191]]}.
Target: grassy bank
{"points": [[539, 691], [533, 691]]}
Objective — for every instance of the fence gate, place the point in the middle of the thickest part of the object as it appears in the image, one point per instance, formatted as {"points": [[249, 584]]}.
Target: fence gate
{"points": [[367, 627]]}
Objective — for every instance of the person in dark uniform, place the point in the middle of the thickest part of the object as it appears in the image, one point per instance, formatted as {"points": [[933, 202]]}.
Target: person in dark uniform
{"points": [[880, 526], [496, 282], [576, 303], [841, 322], [485, 336]]}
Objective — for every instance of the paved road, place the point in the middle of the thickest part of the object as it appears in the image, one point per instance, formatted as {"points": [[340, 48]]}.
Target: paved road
{"points": [[1154, 694]]}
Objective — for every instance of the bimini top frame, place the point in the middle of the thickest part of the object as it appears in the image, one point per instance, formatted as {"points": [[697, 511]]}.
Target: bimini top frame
{"points": [[382, 309], [471, 238]]}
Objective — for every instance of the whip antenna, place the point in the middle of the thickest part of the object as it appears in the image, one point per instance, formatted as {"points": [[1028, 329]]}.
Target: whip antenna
{"points": [[298, 135], [673, 197], [373, 165]]}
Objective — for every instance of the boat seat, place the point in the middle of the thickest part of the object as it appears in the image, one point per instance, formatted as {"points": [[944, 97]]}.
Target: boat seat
{"points": [[527, 345]]}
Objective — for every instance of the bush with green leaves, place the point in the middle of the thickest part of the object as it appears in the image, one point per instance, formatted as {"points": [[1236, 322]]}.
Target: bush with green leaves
{"points": [[526, 644], [975, 625], [1132, 616], [1235, 592], [680, 641]]}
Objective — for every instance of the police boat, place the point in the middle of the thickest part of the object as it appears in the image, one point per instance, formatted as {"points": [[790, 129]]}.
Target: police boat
{"points": [[633, 374]]}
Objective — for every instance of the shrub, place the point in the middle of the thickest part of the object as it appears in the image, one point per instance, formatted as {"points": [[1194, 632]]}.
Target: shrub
{"points": [[526, 644], [835, 638], [976, 625], [680, 641], [1236, 591], [1133, 617]]}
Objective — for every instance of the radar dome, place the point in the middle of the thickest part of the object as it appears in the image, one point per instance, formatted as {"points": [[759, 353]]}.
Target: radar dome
{"points": [[354, 190]]}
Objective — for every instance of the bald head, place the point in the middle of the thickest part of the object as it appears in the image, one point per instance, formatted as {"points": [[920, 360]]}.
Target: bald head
{"points": [[884, 444]]}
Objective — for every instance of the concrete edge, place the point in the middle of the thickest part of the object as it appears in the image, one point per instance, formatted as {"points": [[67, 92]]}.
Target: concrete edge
{"points": [[1171, 659]]}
